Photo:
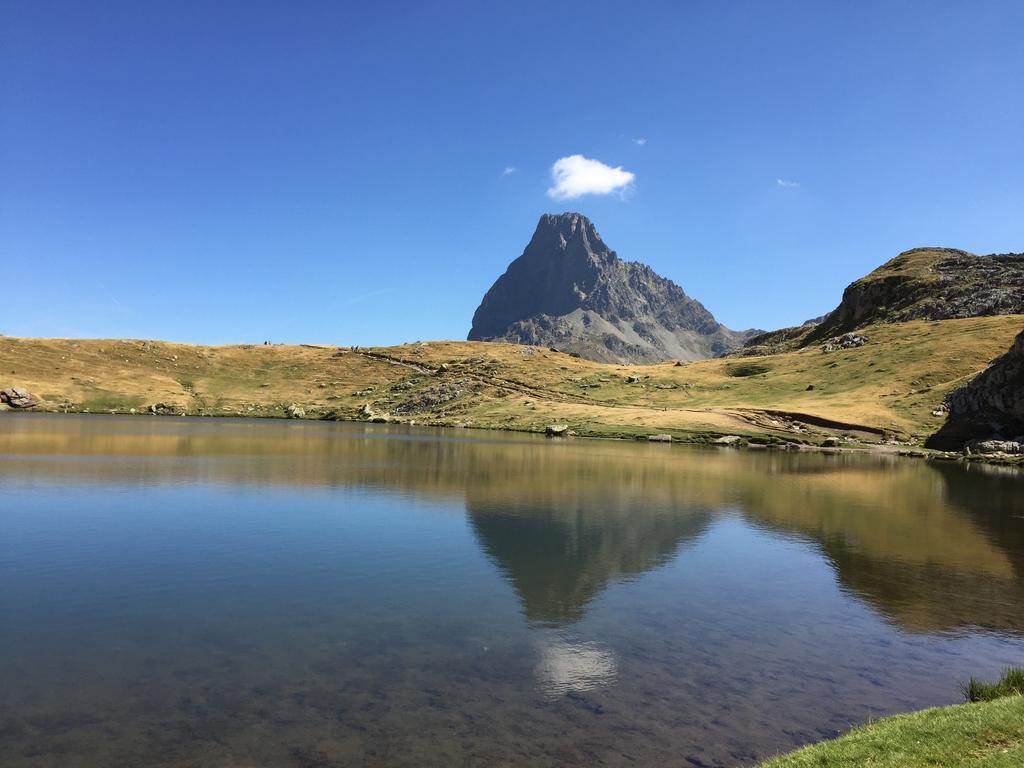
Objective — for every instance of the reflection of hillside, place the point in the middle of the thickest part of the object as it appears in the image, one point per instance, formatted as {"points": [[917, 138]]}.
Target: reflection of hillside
{"points": [[992, 498], [898, 543], [930, 546]]}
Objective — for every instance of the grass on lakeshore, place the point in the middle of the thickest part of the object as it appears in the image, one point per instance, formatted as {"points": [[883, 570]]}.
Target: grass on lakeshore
{"points": [[1010, 684], [988, 732]]}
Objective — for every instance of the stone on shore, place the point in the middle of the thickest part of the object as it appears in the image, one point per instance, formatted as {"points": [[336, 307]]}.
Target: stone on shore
{"points": [[994, 446], [16, 398]]}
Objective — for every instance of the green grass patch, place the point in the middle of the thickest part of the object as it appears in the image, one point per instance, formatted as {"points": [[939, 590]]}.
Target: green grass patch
{"points": [[983, 734], [987, 732], [1010, 684]]}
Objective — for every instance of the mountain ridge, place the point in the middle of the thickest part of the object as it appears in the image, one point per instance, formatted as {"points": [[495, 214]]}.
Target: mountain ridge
{"points": [[929, 283], [569, 290]]}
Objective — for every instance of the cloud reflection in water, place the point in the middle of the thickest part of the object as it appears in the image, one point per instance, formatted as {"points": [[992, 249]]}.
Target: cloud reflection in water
{"points": [[565, 666]]}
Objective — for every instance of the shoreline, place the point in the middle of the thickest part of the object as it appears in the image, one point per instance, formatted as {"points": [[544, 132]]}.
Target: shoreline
{"points": [[883, 397], [765, 442]]}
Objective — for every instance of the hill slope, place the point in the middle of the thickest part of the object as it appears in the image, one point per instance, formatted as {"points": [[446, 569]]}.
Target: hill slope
{"points": [[920, 284], [887, 388], [569, 290]]}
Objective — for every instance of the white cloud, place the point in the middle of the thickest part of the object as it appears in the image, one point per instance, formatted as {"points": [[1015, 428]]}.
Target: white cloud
{"points": [[509, 170], [786, 184], [576, 175], [640, 142]]}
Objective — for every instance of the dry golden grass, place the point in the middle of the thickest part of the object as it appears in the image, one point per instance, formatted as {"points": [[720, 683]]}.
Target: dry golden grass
{"points": [[886, 388]]}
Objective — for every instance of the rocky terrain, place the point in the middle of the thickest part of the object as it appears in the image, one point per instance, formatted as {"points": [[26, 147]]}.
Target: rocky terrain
{"points": [[920, 284], [569, 291], [987, 414], [17, 398]]}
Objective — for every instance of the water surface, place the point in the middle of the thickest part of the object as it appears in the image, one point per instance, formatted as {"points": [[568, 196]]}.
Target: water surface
{"points": [[238, 593]]}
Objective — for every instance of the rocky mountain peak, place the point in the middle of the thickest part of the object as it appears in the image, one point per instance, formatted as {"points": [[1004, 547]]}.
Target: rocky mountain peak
{"points": [[568, 228], [569, 237], [568, 289]]}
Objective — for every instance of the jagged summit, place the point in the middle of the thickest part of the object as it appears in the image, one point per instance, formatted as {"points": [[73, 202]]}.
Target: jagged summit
{"points": [[570, 290]]}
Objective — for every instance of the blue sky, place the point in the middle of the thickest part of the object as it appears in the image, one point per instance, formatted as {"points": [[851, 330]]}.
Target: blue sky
{"points": [[336, 172]]}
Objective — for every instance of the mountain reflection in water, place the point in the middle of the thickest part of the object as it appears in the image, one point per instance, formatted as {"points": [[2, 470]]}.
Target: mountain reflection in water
{"points": [[209, 591]]}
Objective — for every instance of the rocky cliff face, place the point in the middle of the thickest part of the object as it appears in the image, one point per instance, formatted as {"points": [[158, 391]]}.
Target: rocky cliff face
{"points": [[920, 284], [930, 284], [990, 406], [570, 291]]}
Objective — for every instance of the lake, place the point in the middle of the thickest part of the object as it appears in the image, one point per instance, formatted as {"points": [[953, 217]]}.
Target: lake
{"points": [[179, 592]]}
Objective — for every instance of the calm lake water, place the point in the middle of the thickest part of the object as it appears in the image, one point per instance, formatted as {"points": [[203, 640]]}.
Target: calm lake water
{"points": [[236, 593]]}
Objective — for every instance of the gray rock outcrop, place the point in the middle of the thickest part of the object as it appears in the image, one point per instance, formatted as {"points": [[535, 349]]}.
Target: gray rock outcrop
{"points": [[919, 284], [16, 397], [569, 291], [929, 284], [990, 406]]}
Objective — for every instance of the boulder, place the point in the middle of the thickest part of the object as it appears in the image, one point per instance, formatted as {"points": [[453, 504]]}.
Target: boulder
{"points": [[659, 438], [846, 341], [728, 440], [556, 430], [994, 446], [18, 398], [295, 412], [831, 442]]}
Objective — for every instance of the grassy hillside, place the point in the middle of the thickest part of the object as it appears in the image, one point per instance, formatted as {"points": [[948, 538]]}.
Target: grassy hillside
{"points": [[885, 389]]}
